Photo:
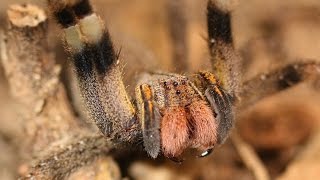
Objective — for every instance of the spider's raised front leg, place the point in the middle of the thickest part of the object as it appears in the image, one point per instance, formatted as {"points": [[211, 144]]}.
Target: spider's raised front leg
{"points": [[97, 69], [225, 61], [221, 90]]}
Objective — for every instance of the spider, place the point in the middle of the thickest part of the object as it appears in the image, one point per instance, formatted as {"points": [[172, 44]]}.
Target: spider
{"points": [[170, 112]]}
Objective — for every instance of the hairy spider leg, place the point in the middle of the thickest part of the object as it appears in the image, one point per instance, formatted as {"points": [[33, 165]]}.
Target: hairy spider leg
{"points": [[226, 63], [150, 118], [82, 60], [101, 85], [112, 89]]}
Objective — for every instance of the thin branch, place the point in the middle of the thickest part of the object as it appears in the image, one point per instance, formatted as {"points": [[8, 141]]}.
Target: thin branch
{"points": [[250, 158], [306, 163], [61, 161]]}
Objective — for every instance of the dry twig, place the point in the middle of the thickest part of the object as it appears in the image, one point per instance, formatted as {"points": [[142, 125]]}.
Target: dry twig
{"points": [[306, 164], [250, 158]]}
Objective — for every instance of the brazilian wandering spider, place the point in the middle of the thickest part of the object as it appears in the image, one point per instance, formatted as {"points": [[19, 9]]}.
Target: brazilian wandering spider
{"points": [[171, 112]]}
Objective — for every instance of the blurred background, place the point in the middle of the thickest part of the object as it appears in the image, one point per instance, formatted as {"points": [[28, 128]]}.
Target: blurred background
{"points": [[267, 34]]}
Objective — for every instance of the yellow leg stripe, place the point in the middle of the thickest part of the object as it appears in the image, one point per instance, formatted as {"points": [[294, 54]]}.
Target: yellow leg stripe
{"points": [[92, 28], [73, 38]]}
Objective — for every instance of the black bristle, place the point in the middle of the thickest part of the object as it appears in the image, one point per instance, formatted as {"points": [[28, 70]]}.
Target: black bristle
{"points": [[89, 89], [105, 55], [83, 63], [219, 24], [82, 8], [65, 17]]}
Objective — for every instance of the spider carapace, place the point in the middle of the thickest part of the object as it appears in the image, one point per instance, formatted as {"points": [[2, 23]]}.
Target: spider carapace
{"points": [[171, 112]]}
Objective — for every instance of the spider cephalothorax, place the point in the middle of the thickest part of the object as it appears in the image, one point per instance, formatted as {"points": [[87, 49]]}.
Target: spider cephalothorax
{"points": [[171, 112]]}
